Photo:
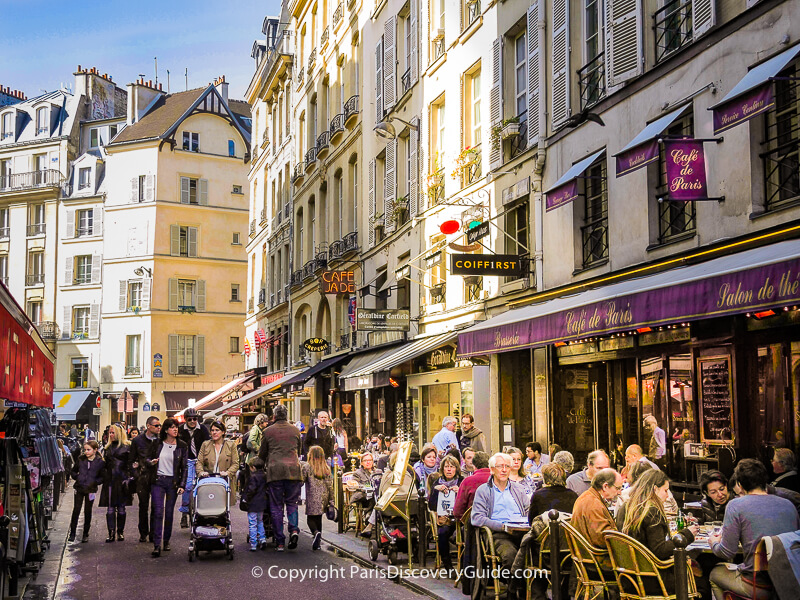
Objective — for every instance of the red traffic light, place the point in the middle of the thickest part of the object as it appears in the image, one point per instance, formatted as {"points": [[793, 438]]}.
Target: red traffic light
{"points": [[449, 227]]}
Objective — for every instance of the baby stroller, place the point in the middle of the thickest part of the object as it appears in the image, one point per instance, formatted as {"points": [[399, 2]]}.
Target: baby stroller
{"points": [[210, 517]]}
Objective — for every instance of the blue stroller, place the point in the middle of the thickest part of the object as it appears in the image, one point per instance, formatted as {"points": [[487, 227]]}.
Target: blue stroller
{"points": [[210, 517]]}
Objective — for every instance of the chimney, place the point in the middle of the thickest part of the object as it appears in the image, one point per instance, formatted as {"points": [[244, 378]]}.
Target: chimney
{"points": [[141, 94], [222, 87]]}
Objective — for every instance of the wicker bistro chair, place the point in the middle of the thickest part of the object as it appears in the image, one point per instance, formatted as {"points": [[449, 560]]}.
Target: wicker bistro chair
{"points": [[461, 527], [486, 561], [640, 575], [541, 561], [433, 532], [353, 513], [586, 559]]}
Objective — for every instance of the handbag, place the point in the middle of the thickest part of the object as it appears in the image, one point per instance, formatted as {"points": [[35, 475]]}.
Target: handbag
{"points": [[332, 513]]}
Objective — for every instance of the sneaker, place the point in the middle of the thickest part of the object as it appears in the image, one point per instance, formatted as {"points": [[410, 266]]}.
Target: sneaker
{"points": [[280, 548], [317, 541], [293, 540], [253, 548], [262, 544], [166, 547]]}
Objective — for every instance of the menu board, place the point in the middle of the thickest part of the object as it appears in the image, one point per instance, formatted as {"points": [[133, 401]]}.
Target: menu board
{"points": [[716, 399]]}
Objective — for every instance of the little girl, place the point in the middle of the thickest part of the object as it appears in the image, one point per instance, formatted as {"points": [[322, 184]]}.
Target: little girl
{"points": [[256, 497], [88, 473], [319, 491]]}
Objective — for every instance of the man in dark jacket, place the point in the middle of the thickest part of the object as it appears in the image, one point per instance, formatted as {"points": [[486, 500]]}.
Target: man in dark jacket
{"points": [[280, 449], [193, 433], [471, 436], [320, 435], [140, 450], [783, 464]]}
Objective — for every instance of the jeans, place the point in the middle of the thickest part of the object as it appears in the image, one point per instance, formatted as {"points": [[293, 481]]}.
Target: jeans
{"points": [[255, 523], [723, 579], [191, 472], [444, 532], [81, 499], [145, 519], [314, 523], [164, 495], [284, 492]]}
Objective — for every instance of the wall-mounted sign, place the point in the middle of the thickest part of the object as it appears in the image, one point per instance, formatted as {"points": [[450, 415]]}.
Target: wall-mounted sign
{"points": [[486, 264], [477, 233], [265, 379], [664, 337], [158, 373], [442, 358], [146, 407], [338, 282], [97, 412], [370, 319], [156, 407], [315, 345], [686, 169]]}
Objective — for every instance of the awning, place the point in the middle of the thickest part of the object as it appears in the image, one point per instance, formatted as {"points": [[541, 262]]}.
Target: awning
{"points": [[303, 376], [67, 404], [643, 149], [364, 377], [226, 389], [179, 400], [566, 189], [753, 94], [749, 281], [361, 360]]}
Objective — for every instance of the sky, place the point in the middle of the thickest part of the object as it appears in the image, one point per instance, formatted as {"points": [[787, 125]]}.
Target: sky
{"points": [[42, 43]]}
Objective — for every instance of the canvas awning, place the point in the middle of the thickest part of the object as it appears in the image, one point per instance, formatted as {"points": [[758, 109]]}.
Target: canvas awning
{"points": [[249, 397], [307, 374], [67, 403], [220, 393], [566, 188], [643, 149], [179, 400]]}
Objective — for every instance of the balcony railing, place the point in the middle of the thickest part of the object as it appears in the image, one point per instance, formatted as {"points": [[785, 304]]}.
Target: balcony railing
{"points": [[592, 79], [31, 180], [322, 258], [338, 14], [436, 188], [405, 81], [312, 58], [350, 242], [35, 279], [324, 37], [5, 233], [337, 126], [311, 158], [344, 341], [673, 25], [336, 250], [262, 297], [519, 142], [309, 268], [286, 293], [323, 143], [130, 370], [36, 229], [595, 240], [300, 75], [297, 278], [471, 171], [49, 330], [287, 210], [473, 11], [299, 173], [253, 228], [438, 293], [350, 108], [186, 370], [263, 217], [438, 49]]}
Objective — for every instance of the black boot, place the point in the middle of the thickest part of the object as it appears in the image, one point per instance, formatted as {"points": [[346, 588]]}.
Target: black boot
{"points": [[71, 537], [121, 527], [111, 522], [184, 521]]}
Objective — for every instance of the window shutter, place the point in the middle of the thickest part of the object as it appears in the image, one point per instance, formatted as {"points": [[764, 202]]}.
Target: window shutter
{"points": [[389, 63], [97, 221], [66, 326], [150, 188], [200, 305], [175, 240], [496, 101], [464, 112], [414, 54], [94, 321], [173, 354], [390, 185], [533, 75], [560, 63], [70, 232], [413, 176], [203, 192], [623, 41], [192, 241], [69, 266], [123, 295], [97, 268], [134, 189], [199, 354], [146, 284], [173, 294], [703, 16], [371, 202], [379, 81], [184, 190]]}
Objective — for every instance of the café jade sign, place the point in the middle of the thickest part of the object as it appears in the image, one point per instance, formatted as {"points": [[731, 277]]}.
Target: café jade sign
{"points": [[759, 288]]}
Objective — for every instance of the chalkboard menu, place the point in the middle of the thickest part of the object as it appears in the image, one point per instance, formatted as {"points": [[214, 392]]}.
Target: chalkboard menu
{"points": [[716, 398]]}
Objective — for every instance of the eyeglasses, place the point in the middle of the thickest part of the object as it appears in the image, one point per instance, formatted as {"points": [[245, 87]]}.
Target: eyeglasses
{"points": [[618, 487], [191, 418]]}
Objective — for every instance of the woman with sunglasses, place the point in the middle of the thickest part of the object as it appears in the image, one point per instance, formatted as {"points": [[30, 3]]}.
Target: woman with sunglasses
{"points": [[193, 433]]}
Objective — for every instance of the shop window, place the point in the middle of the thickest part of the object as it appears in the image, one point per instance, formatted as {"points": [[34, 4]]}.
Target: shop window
{"points": [[79, 376], [774, 407], [676, 220], [782, 143], [594, 231]]}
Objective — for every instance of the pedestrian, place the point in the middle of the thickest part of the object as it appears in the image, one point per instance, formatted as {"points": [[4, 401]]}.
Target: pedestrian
{"points": [[341, 439], [254, 439], [219, 456], [471, 436], [73, 431], [194, 434], [167, 461], [658, 441], [88, 474], [446, 438], [280, 450], [256, 498], [140, 449], [320, 435], [319, 492], [115, 495], [132, 433], [88, 434]]}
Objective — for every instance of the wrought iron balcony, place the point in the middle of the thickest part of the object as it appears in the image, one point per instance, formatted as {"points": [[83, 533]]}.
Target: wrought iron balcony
{"points": [[186, 370], [262, 296], [519, 142], [309, 268], [253, 228], [323, 143], [438, 293], [673, 26], [287, 211], [35, 279], [271, 300], [405, 81], [473, 11], [336, 250], [31, 180], [471, 170], [311, 158], [300, 75], [5, 233], [350, 108], [299, 173], [286, 293], [297, 278], [36, 229], [436, 188], [324, 37], [321, 259], [438, 49], [302, 352], [338, 14], [48, 330], [312, 58], [350, 242], [337, 126], [263, 218], [592, 80], [344, 341]]}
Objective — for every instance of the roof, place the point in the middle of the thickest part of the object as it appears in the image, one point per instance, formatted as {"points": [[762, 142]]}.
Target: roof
{"points": [[166, 111], [61, 123]]}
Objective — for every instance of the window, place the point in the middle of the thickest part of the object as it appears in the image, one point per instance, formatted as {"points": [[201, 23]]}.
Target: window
{"points": [[112, 131], [234, 345], [674, 218], [183, 240], [94, 137], [475, 108], [235, 293], [5, 173], [186, 294], [435, 265], [437, 131], [191, 141], [673, 27], [4, 268], [5, 229], [231, 148], [521, 77], [84, 178], [186, 362], [142, 183], [237, 239], [85, 222], [42, 126], [381, 299], [594, 232], [782, 143], [7, 129], [79, 377], [35, 274], [134, 294], [80, 321], [592, 75], [83, 269], [194, 191], [133, 355], [34, 311], [516, 226]]}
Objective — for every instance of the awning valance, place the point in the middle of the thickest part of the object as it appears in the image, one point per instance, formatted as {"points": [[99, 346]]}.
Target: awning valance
{"points": [[205, 401], [749, 281], [566, 188], [67, 403], [303, 376], [179, 400], [249, 397], [753, 94], [643, 149]]}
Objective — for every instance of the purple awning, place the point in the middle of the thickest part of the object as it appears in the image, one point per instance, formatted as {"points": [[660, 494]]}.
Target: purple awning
{"points": [[643, 149], [722, 286], [566, 188]]}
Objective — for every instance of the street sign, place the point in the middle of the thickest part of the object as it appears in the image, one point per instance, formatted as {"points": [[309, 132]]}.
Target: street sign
{"points": [[486, 264], [97, 402], [97, 411], [477, 233], [158, 373]]}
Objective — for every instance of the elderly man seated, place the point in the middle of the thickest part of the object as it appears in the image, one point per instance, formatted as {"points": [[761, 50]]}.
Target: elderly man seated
{"points": [[591, 515], [582, 480], [500, 503]]}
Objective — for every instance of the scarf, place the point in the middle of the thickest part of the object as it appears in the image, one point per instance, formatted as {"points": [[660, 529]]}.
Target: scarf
{"points": [[452, 483], [423, 471]]}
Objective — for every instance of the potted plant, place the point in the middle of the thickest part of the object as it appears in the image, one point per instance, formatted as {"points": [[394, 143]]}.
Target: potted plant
{"points": [[434, 185], [505, 129], [399, 209]]}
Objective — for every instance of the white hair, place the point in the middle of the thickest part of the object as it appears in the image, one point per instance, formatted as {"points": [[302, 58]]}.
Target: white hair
{"points": [[503, 455], [447, 420]]}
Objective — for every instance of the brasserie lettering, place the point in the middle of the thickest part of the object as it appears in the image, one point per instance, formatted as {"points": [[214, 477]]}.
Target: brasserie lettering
{"points": [[503, 341]]}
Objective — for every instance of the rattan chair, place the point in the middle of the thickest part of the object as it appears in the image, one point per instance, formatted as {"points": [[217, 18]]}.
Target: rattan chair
{"points": [[353, 513], [639, 573], [461, 527], [486, 561], [433, 529], [586, 560], [541, 561], [760, 565]]}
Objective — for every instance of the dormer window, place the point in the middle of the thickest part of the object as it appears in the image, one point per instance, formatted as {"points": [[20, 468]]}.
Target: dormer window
{"points": [[7, 129], [191, 141], [42, 126], [84, 178], [94, 137]]}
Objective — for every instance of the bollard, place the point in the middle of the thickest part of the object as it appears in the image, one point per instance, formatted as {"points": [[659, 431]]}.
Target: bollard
{"points": [[422, 526], [681, 573], [555, 554], [339, 492]]}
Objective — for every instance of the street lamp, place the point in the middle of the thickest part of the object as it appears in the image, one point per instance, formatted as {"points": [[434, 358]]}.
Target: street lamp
{"points": [[385, 129], [142, 270]]}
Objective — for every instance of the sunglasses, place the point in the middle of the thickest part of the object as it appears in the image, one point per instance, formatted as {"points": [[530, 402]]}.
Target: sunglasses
{"points": [[191, 419]]}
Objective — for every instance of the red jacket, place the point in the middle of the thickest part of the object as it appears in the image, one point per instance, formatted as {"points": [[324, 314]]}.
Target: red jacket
{"points": [[466, 491]]}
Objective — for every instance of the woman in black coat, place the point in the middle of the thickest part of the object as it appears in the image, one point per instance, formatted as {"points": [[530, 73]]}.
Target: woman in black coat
{"points": [[445, 483], [88, 474], [116, 494]]}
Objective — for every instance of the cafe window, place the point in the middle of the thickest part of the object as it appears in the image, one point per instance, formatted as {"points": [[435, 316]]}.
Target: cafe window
{"points": [[594, 231], [676, 219], [781, 144]]}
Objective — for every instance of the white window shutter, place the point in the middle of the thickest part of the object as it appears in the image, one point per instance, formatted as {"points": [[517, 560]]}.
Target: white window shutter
{"points": [[413, 176], [496, 101], [173, 294], [371, 202], [184, 190], [94, 321], [199, 354], [123, 295], [97, 268], [414, 54], [560, 64], [66, 326], [175, 240], [146, 285], [97, 220], [70, 232], [201, 295], [150, 188], [389, 63], [192, 241], [202, 185], [173, 354], [379, 81], [623, 41], [533, 75], [390, 185], [69, 266], [703, 16], [134, 189]]}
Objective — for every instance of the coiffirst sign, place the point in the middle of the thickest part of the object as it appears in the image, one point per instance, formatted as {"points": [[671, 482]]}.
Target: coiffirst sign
{"points": [[486, 264]]}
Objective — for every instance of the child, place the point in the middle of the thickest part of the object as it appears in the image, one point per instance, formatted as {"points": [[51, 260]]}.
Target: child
{"points": [[256, 497], [319, 491], [88, 474]]}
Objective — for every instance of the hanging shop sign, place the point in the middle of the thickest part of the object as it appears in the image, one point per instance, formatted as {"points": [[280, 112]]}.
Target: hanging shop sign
{"points": [[686, 170], [338, 282], [316, 345], [486, 264], [266, 379], [477, 233], [743, 108], [351, 312], [441, 358], [371, 319], [433, 260]]}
